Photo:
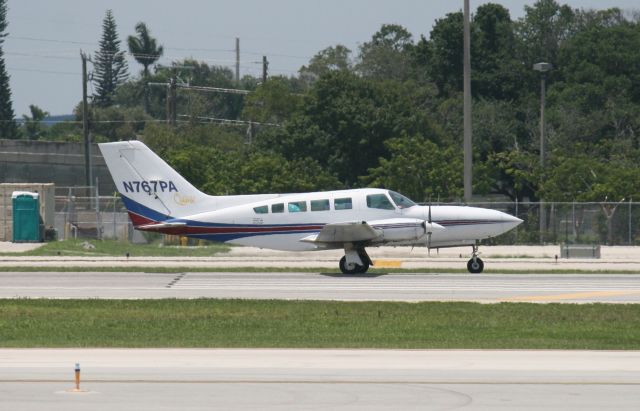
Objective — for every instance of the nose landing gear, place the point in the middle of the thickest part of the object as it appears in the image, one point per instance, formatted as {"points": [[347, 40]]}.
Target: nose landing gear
{"points": [[475, 265]]}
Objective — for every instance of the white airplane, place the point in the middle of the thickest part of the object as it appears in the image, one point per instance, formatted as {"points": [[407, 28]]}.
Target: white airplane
{"points": [[159, 199]]}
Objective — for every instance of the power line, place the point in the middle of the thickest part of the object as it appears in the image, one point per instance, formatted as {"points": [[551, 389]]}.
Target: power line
{"points": [[43, 71], [225, 120], [221, 50]]}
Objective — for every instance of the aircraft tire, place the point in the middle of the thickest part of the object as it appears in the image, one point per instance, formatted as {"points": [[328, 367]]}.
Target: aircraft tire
{"points": [[475, 265], [358, 269]]}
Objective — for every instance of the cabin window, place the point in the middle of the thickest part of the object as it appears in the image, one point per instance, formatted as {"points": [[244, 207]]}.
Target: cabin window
{"points": [[380, 201], [277, 208], [261, 209], [342, 204], [400, 200], [320, 205], [297, 206]]}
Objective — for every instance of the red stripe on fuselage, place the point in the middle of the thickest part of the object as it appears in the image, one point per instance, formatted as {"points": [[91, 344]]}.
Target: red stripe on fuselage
{"points": [[137, 219], [190, 230]]}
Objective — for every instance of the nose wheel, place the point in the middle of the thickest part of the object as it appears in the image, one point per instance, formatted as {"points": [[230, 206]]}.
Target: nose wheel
{"points": [[475, 265]]}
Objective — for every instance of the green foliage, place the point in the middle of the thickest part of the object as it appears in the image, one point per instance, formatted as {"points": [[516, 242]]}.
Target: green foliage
{"points": [[244, 171], [32, 125], [272, 102], [116, 123], [110, 66], [325, 61], [144, 48], [545, 26], [8, 127], [387, 55], [344, 122], [444, 53], [420, 169], [585, 177]]}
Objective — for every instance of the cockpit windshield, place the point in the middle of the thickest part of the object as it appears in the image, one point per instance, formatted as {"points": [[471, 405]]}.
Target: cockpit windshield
{"points": [[400, 200]]}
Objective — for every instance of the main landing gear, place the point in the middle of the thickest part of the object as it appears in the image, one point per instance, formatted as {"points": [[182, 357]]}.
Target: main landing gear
{"points": [[475, 264], [355, 261]]}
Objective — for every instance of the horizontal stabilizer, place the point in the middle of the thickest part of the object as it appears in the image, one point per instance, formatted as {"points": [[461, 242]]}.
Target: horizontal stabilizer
{"points": [[161, 226]]}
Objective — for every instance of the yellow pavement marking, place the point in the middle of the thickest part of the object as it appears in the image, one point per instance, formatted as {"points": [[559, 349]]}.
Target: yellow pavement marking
{"points": [[571, 296], [387, 263]]}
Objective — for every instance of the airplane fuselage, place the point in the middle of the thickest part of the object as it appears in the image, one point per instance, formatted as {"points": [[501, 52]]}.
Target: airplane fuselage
{"points": [[283, 221]]}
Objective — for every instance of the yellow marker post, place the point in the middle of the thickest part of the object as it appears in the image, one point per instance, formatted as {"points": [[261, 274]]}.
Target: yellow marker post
{"points": [[77, 387], [77, 376]]}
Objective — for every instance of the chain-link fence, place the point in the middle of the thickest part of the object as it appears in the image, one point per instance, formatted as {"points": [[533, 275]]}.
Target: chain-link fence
{"points": [[610, 223], [79, 215]]}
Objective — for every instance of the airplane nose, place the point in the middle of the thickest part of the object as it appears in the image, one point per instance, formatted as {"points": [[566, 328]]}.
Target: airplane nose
{"points": [[509, 220]]}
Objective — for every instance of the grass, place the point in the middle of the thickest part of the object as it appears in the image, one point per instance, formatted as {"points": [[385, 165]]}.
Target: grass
{"points": [[316, 324], [106, 248]]}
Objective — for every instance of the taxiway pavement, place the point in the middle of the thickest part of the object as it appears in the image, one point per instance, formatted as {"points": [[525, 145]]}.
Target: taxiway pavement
{"points": [[268, 379], [486, 288]]}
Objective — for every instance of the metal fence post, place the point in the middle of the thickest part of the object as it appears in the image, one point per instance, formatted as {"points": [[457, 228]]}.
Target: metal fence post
{"points": [[629, 229]]}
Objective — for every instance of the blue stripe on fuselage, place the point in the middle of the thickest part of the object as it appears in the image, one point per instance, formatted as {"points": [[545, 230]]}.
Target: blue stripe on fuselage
{"points": [[143, 211]]}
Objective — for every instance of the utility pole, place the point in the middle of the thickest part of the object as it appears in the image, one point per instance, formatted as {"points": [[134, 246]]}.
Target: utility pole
{"points": [[237, 61], [85, 123], [265, 69], [468, 158], [171, 101]]}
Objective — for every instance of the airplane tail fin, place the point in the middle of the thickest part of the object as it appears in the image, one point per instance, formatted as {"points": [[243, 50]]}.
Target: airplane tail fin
{"points": [[151, 190]]}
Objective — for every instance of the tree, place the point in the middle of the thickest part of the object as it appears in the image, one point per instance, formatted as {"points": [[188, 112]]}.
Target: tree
{"points": [[545, 26], [8, 127], [387, 55], [326, 60], [32, 124], [272, 102], [496, 73], [143, 48], [445, 53], [146, 52], [110, 66], [345, 120], [420, 169]]}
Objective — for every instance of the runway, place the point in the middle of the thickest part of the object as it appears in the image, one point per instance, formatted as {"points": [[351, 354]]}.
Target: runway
{"points": [[192, 379], [486, 288]]}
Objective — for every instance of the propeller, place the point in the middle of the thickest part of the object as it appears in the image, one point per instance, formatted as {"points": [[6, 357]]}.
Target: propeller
{"points": [[430, 230]]}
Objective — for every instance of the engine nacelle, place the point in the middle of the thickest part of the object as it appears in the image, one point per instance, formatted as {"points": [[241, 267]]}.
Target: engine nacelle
{"points": [[399, 229]]}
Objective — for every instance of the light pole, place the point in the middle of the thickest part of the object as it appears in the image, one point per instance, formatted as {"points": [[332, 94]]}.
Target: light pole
{"points": [[467, 146], [543, 68]]}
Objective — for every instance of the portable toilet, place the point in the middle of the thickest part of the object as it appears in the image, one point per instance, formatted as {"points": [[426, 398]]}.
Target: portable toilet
{"points": [[26, 217]]}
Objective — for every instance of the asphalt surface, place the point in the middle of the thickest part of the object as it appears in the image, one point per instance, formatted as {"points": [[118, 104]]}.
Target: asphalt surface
{"points": [[486, 288], [189, 379]]}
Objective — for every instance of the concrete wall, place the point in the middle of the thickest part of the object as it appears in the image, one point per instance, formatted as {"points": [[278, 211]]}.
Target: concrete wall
{"points": [[25, 161]]}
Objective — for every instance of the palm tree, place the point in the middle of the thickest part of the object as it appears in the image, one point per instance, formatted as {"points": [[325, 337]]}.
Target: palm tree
{"points": [[144, 48]]}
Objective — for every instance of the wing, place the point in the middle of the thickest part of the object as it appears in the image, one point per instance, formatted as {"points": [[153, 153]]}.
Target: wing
{"points": [[348, 232], [379, 231]]}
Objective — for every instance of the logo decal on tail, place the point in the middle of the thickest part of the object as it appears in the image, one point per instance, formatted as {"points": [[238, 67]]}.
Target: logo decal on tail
{"points": [[183, 200]]}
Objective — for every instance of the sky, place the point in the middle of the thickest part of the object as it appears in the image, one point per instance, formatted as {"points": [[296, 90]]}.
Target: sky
{"points": [[42, 50]]}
